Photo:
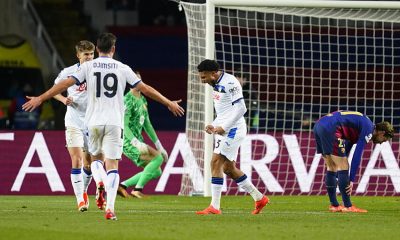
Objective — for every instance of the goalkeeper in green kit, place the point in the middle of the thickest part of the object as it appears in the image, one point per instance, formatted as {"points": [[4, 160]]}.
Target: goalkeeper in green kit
{"points": [[136, 120]]}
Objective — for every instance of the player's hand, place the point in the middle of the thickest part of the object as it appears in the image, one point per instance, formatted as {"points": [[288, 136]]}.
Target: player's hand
{"points": [[160, 148], [209, 129], [176, 109], [164, 154], [68, 101], [32, 104], [219, 130], [349, 188], [135, 142]]}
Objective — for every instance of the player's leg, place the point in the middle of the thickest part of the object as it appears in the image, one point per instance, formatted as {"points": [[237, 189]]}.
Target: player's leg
{"points": [[343, 181], [326, 143], [96, 135], [112, 147], [331, 183], [245, 183], [217, 181], [74, 145], [86, 172], [229, 150], [342, 167], [152, 161], [112, 184], [132, 152]]}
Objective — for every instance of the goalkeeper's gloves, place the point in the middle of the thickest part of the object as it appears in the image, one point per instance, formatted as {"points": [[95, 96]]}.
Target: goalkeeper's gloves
{"points": [[160, 148], [134, 141]]}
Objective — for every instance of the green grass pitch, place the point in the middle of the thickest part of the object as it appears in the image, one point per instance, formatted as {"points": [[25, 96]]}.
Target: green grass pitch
{"points": [[172, 217]]}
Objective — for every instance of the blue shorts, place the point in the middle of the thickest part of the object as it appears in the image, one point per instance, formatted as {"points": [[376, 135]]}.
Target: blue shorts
{"points": [[327, 142]]}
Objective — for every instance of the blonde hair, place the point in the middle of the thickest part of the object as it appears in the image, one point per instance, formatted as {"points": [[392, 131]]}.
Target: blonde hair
{"points": [[387, 127], [84, 45]]}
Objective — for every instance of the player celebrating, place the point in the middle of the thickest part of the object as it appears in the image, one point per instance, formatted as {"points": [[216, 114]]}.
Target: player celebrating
{"points": [[335, 134], [229, 129], [75, 133], [106, 81], [136, 120]]}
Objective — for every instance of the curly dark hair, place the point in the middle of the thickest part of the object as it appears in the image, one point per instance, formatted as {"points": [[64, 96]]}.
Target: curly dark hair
{"points": [[208, 65]]}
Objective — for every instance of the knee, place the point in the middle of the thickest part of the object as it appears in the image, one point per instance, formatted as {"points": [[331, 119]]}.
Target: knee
{"points": [[214, 163], [229, 169], [76, 161]]}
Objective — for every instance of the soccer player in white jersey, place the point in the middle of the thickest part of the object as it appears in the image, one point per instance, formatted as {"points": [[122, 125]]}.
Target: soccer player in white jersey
{"points": [[75, 130], [229, 129], [106, 81]]}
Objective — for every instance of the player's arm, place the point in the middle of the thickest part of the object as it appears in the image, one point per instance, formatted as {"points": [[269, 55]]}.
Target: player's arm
{"points": [[35, 102], [237, 111], [149, 129], [59, 97], [152, 93], [65, 100], [355, 162]]}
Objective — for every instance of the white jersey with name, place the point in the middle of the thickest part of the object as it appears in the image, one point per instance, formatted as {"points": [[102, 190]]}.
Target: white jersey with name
{"points": [[75, 115], [106, 81], [226, 92]]}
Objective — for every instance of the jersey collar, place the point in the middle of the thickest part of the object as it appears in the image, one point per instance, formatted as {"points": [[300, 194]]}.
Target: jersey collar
{"points": [[220, 77]]}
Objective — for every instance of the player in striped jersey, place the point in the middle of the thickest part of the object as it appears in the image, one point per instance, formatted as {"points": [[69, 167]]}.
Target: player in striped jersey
{"points": [[106, 81], [335, 135], [75, 130], [229, 129]]}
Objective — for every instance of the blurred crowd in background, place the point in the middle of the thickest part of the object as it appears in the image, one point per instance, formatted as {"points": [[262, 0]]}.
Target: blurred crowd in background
{"points": [[151, 39]]}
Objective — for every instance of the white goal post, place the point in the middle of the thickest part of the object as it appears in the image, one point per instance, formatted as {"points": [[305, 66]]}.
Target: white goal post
{"points": [[301, 60]]}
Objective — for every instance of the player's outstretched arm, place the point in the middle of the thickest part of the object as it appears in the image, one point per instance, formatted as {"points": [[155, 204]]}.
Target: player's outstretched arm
{"points": [[35, 102], [65, 100], [152, 93]]}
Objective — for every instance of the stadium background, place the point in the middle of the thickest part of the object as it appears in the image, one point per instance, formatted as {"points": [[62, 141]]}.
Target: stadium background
{"points": [[152, 39], [37, 40]]}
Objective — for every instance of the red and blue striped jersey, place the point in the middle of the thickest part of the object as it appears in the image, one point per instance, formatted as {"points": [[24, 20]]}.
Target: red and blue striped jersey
{"points": [[354, 127]]}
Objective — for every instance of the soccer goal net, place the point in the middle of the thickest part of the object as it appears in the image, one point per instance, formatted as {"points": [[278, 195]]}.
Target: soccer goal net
{"points": [[298, 60]]}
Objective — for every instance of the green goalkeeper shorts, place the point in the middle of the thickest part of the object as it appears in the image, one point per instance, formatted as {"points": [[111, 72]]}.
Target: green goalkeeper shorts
{"points": [[133, 153]]}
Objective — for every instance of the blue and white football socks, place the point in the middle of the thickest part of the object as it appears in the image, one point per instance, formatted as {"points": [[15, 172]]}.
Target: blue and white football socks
{"points": [[98, 172], [87, 178], [112, 184], [216, 189], [77, 184], [249, 187]]}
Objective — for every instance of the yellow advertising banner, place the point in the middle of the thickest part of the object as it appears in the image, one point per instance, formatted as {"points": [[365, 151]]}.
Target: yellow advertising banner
{"points": [[18, 56]]}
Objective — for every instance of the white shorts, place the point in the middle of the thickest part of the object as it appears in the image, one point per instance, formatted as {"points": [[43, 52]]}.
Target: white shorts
{"points": [[229, 143], [76, 137], [106, 139]]}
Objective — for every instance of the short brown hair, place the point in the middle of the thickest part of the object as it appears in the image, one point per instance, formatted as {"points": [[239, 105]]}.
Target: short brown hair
{"points": [[84, 45], [105, 42], [387, 127]]}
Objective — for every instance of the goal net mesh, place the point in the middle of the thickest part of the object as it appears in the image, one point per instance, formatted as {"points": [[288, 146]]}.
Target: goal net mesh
{"points": [[298, 64]]}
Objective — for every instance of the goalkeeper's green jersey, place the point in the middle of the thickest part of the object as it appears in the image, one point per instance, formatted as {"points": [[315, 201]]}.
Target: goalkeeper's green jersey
{"points": [[137, 118]]}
